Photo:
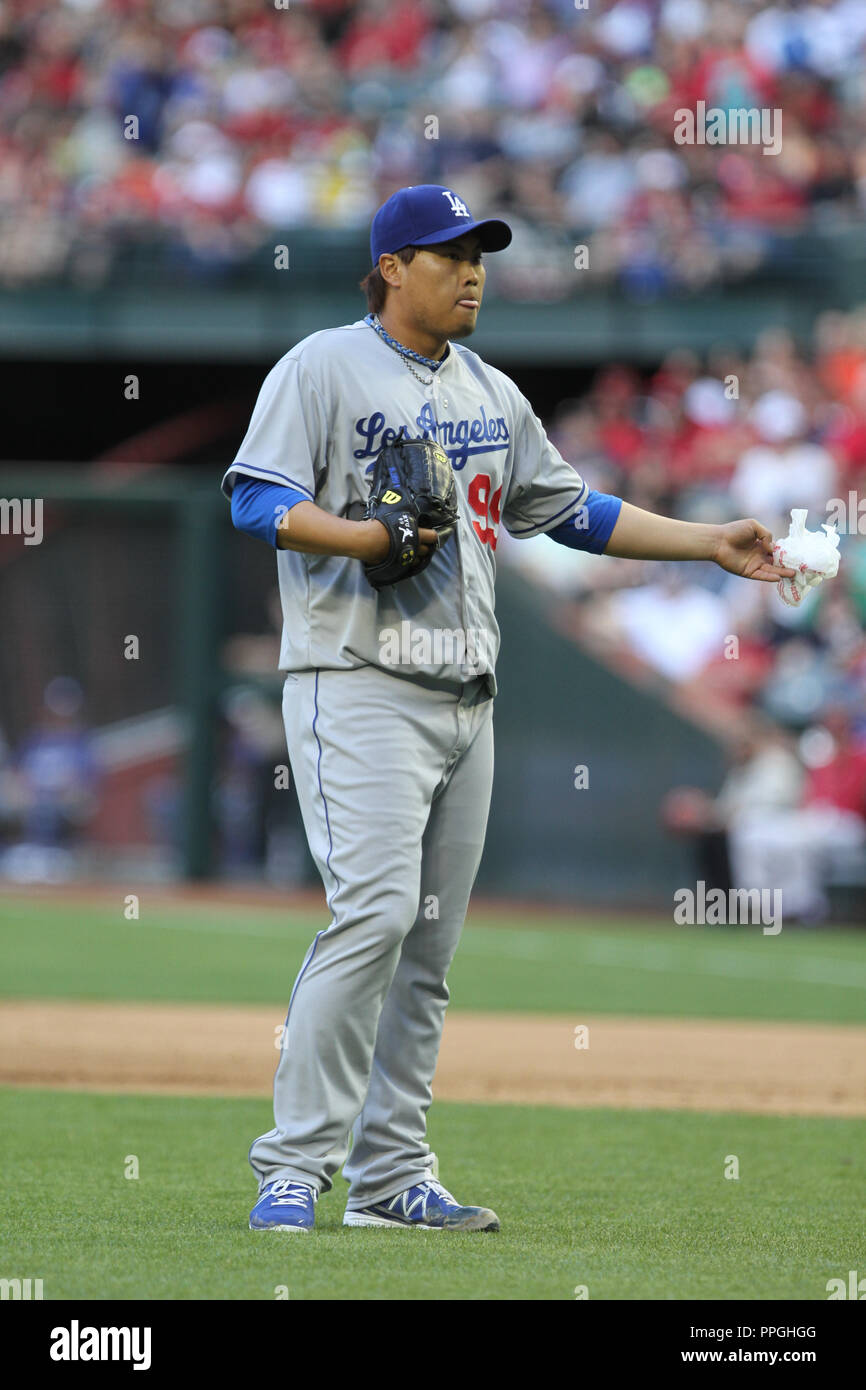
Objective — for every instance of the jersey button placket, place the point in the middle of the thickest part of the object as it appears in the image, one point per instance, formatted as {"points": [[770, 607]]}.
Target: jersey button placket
{"points": [[434, 390], [471, 613], [463, 537], [464, 720]]}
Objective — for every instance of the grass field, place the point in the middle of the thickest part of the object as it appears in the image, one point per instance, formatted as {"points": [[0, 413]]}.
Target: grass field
{"points": [[631, 1204], [246, 955]]}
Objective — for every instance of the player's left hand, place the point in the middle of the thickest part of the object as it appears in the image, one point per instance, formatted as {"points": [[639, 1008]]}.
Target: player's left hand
{"points": [[746, 548]]}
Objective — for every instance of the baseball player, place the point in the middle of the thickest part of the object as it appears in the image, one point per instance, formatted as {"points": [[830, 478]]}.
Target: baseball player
{"points": [[380, 462]]}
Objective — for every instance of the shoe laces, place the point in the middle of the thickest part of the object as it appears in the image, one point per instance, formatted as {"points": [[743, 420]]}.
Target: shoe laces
{"points": [[433, 1185], [285, 1193]]}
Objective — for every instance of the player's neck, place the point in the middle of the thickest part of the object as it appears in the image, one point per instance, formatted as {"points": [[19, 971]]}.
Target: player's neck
{"points": [[408, 336]]}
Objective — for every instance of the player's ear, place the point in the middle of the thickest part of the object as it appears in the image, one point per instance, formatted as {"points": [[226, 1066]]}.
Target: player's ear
{"points": [[391, 269]]}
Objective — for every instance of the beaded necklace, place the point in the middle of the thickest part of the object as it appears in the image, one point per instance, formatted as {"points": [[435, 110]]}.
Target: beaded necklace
{"points": [[431, 363]]}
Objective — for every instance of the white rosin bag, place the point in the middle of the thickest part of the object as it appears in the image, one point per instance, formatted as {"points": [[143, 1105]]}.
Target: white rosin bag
{"points": [[813, 556]]}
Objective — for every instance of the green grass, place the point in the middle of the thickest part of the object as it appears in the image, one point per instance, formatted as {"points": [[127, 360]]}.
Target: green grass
{"points": [[241, 954], [634, 1205]]}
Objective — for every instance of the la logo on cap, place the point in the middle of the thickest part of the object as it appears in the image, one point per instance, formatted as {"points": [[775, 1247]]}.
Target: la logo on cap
{"points": [[458, 207]]}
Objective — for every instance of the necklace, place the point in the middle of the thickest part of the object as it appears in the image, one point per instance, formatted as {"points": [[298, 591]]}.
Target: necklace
{"points": [[405, 354]]}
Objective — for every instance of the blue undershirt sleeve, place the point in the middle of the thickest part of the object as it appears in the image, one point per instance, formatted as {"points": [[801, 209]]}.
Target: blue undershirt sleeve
{"points": [[258, 507], [591, 525]]}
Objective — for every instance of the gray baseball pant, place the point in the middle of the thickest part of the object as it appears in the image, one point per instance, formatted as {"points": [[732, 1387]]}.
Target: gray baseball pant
{"points": [[393, 776]]}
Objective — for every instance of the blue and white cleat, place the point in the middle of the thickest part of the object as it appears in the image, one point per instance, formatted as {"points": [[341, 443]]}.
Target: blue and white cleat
{"points": [[285, 1206], [427, 1207]]}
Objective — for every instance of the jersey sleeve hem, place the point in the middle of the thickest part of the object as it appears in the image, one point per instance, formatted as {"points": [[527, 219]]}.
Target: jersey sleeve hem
{"points": [[522, 533], [265, 475]]}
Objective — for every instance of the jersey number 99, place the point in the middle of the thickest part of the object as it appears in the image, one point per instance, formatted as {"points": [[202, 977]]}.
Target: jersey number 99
{"points": [[486, 507]]}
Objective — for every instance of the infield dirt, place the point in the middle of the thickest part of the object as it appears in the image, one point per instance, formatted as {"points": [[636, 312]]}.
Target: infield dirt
{"points": [[629, 1063]]}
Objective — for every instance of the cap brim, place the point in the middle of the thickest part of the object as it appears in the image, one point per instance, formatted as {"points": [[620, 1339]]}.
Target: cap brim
{"points": [[495, 235]]}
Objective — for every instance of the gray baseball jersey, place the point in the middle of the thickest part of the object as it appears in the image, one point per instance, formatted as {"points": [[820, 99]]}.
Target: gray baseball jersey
{"points": [[322, 415], [393, 776]]}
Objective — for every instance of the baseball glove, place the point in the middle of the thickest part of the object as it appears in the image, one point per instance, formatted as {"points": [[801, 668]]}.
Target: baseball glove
{"points": [[412, 486]]}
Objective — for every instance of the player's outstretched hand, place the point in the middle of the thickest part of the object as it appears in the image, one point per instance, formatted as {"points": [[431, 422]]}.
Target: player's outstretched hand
{"points": [[746, 548]]}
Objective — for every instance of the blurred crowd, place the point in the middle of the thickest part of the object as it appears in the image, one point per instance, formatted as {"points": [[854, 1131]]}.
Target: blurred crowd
{"points": [[738, 436], [253, 117], [78, 801], [49, 789]]}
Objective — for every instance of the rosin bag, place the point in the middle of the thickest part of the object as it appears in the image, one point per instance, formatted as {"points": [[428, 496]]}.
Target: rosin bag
{"points": [[814, 556]]}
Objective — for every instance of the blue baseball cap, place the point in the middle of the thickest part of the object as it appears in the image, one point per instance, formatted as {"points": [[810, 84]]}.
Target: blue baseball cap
{"points": [[425, 214]]}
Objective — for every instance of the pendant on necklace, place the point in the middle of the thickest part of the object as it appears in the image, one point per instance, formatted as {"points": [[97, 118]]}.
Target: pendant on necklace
{"points": [[429, 390]]}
